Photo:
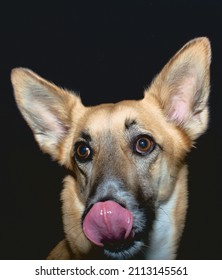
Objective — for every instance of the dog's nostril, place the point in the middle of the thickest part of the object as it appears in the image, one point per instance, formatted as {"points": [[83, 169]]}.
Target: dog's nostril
{"points": [[106, 222]]}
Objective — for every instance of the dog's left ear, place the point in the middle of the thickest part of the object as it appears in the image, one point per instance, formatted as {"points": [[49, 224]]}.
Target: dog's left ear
{"points": [[182, 87]]}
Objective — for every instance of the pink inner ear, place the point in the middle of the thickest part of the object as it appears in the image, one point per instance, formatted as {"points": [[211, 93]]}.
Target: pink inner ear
{"points": [[181, 101], [179, 111]]}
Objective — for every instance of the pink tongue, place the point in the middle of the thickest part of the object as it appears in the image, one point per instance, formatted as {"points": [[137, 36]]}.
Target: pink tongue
{"points": [[107, 222]]}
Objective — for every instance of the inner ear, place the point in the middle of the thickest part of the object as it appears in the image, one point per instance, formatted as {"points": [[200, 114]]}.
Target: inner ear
{"points": [[182, 98], [182, 87]]}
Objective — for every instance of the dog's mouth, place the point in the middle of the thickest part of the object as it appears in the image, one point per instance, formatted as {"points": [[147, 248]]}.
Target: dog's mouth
{"points": [[110, 225]]}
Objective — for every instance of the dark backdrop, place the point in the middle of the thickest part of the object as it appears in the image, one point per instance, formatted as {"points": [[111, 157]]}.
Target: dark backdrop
{"points": [[107, 51]]}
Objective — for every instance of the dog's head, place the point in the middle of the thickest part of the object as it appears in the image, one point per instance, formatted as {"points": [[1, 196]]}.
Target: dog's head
{"points": [[124, 158]]}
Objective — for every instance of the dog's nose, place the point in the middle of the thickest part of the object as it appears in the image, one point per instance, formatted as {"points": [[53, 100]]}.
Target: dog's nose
{"points": [[108, 222]]}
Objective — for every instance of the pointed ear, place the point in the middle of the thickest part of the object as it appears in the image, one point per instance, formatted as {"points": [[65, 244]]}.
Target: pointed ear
{"points": [[182, 87], [46, 108]]}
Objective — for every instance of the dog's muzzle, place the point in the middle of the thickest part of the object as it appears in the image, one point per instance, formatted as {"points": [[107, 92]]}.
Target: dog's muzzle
{"points": [[108, 223]]}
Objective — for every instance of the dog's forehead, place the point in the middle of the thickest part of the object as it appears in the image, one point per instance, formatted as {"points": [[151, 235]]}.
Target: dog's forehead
{"points": [[112, 116], [121, 115]]}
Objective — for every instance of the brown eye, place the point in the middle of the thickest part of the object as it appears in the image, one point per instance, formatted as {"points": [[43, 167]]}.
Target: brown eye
{"points": [[144, 145], [83, 152]]}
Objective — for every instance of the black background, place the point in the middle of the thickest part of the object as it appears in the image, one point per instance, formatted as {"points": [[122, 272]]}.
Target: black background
{"points": [[107, 51]]}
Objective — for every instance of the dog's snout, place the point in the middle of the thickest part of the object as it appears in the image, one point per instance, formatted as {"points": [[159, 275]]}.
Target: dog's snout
{"points": [[106, 189]]}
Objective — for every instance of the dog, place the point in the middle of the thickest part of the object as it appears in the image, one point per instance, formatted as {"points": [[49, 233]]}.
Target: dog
{"points": [[126, 193]]}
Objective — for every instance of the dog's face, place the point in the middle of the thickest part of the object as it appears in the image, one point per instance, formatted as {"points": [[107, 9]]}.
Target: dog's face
{"points": [[124, 158], [123, 152]]}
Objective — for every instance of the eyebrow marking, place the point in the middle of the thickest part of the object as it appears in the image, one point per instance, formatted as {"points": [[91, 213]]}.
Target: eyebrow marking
{"points": [[86, 136], [129, 123]]}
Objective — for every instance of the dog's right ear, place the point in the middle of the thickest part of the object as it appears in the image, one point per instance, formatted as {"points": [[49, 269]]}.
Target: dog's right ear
{"points": [[47, 108], [182, 87]]}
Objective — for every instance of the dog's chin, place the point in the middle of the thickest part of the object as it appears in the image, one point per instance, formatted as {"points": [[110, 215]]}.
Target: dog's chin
{"points": [[124, 251]]}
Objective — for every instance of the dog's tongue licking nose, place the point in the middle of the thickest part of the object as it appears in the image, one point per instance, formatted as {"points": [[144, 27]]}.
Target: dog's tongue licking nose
{"points": [[107, 222]]}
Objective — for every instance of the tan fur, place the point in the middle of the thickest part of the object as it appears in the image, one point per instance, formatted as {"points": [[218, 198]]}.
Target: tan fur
{"points": [[174, 111]]}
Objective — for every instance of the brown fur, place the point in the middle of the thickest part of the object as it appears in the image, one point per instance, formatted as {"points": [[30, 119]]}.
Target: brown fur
{"points": [[174, 111]]}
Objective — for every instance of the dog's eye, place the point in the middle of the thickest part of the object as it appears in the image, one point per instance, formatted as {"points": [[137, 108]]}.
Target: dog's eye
{"points": [[83, 152], [143, 145]]}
